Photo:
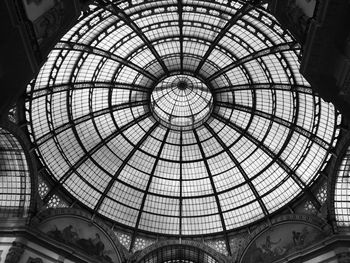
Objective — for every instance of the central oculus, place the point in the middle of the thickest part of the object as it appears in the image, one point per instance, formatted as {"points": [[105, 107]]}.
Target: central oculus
{"points": [[181, 102]]}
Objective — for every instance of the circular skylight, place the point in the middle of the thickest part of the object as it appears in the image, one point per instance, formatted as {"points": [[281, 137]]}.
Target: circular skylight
{"points": [[181, 102], [179, 117]]}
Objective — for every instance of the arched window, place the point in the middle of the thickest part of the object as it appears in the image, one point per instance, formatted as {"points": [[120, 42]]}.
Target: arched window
{"points": [[15, 182], [342, 192]]}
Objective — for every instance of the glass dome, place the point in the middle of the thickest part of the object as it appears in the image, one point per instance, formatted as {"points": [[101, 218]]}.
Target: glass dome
{"points": [[181, 102], [179, 117]]}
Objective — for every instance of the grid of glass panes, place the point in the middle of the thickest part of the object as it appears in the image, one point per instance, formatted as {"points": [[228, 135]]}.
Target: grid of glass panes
{"points": [[178, 253], [15, 183], [94, 130], [181, 102], [342, 192]]}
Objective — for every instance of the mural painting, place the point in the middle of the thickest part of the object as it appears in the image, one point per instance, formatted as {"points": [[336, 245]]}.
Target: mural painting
{"points": [[83, 235], [280, 241]]}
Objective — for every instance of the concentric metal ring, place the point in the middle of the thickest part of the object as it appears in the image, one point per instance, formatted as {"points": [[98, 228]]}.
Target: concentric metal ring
{"points": [[181, 102], [263, 144]]}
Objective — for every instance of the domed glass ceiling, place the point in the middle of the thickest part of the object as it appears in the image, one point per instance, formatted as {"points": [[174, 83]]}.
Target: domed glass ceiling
{"points": [[179, 117], [181, 102]]}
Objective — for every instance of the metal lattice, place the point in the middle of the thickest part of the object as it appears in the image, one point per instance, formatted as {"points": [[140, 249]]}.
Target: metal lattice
{"points": [[104, 135]]}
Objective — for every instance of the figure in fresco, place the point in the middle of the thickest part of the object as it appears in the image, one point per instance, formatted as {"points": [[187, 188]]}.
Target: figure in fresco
{"points": [[299, 237], [268, 244], [256, 254], [56, 234], [69, 236], [281, 241], [296, 237], [93, 246], [98, 245]]}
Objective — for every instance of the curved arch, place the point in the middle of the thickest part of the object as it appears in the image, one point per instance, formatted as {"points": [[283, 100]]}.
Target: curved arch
{"points": [[82, 227], [18, 181], [173, 250], [274, 241], [340, 188]]}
